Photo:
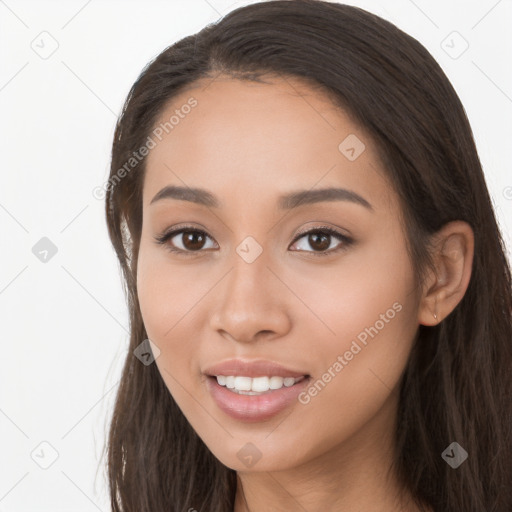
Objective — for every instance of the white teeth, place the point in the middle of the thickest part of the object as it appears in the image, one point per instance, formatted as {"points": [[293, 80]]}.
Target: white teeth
{"points": [[260, 384], [289, 381], [243, 383], [256, 385], [276, 382]]}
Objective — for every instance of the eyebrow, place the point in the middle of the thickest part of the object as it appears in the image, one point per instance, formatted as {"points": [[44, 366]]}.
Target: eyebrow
{"points": [[285, 202]]}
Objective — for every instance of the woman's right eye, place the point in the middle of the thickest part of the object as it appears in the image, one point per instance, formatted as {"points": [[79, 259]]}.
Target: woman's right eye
{"points": [[188, 240]]}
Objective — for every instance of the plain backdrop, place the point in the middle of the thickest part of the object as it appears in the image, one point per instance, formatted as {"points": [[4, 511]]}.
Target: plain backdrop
{"points": [[66, 68]]}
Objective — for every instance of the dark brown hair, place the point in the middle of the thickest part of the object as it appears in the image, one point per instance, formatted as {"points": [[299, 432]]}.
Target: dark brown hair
{"points": [[457, 383]]}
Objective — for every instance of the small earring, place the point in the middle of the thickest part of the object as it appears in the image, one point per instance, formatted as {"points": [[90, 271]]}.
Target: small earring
{"points": [[435, 310]]}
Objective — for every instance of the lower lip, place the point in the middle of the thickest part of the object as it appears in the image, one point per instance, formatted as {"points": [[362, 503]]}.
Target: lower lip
{"points": [[252, 408]]}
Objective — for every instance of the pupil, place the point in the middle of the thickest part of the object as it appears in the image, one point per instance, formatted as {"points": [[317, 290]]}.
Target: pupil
{"points": [[322, 245], [191, 240]]}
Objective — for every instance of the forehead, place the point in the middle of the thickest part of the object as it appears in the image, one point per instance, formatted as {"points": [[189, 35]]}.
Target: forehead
{"points": [[255, 137]]}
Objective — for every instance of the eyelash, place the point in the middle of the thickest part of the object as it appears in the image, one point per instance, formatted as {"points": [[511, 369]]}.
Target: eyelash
{"points": [[325, 230]]}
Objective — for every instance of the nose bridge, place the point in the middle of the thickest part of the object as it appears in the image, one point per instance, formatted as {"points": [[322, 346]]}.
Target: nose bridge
{"points": [[247, 301], [249, 258], [249, 275]]}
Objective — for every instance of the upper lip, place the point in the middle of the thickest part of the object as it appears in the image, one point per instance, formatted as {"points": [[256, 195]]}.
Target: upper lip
{"points": [[255, 368]]}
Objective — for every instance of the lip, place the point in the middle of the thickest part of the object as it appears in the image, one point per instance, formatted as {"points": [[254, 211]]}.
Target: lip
{"points": [[256, 368], [254, 408]]}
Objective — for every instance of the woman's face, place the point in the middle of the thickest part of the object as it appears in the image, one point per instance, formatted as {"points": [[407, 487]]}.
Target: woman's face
{"points": [[247, 282]]}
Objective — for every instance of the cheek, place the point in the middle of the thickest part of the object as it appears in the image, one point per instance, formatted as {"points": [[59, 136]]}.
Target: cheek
{"points": [[356, 373], [172, 298], [166, 292], [351, 297], [164, 302], [372, 309]]}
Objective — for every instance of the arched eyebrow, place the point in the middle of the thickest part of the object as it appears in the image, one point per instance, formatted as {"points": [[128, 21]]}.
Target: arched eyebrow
{"points": [[285, 202]]}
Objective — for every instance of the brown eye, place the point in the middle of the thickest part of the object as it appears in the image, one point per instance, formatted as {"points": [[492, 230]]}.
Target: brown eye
{"points": [[184, 240], [319, 241], [193, 240]]}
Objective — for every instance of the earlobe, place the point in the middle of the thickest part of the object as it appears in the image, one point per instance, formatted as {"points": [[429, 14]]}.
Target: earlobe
{"points": [[448, 282]]}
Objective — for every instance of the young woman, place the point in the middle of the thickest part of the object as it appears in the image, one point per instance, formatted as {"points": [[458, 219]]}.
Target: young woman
{"points": [[307, 240]]}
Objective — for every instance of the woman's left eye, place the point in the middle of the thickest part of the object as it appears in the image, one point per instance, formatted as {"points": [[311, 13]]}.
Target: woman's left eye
{"points": [[320, 239]]}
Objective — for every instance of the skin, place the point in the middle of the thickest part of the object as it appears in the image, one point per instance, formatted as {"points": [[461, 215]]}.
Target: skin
{"points": [[248, 143]]}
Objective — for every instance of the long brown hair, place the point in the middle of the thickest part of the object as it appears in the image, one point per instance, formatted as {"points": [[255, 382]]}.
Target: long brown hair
{"points": [[458, 381]]}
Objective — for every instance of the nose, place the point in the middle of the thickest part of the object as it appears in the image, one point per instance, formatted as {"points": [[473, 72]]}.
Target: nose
{"points": [[252, 303]]}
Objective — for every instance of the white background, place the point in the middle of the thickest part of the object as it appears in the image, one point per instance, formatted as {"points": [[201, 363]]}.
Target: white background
{"points": [[64, 322]]}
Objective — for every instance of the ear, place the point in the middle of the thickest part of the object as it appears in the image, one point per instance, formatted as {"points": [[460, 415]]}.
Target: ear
{"points": [[453, 259]]}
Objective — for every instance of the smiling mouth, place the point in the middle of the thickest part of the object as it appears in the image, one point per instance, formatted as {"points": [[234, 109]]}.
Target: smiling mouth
{"points": [[258, 398], [244, 385]]}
